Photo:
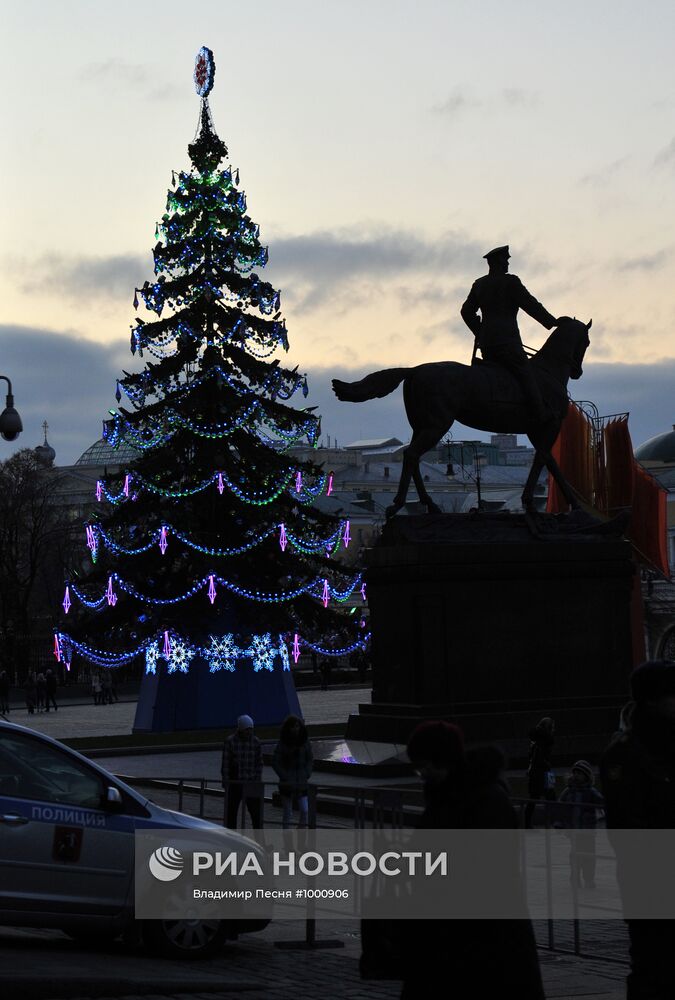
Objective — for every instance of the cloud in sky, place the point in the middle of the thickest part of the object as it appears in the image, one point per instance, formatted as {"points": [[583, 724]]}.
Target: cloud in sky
{"points": [[118, 73], [599, 178], [666, 156], [461, 100], [69, 381], [647, 262], [321, 266], [113, 277]]}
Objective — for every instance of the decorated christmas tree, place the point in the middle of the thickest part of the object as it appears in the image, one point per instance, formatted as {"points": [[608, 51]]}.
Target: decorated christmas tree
{"points": [[209, 559]]}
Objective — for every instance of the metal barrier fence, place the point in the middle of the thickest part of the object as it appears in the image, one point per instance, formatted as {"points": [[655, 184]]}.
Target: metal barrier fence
{"points": [[389, 808]]}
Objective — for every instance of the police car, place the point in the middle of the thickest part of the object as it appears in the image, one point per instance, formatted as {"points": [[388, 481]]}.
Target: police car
{"points": [[67, 849]]}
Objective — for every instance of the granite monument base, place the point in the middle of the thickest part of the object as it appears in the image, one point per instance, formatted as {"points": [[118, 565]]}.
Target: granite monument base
{"points": [[495, 620]]}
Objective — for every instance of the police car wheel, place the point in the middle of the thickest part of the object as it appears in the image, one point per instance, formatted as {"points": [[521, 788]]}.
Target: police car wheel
{"points": [[185, 938]]}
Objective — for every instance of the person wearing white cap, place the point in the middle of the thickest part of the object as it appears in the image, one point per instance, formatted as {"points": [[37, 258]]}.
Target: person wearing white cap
{"points": [[242, 762], [498, 296]]}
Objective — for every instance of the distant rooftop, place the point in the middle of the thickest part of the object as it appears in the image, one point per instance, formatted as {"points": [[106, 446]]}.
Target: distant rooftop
{"points": [[100, 453], [373, 443]]}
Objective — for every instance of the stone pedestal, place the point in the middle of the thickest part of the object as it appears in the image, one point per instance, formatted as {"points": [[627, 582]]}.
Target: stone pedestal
{"points": [[494, 620]]}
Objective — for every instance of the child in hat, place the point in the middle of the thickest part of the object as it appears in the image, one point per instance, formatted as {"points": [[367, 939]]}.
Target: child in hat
{"points": [[583, 819]]}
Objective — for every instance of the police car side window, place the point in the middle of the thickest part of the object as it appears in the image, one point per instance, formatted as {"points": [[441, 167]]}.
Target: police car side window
{"points": [[31, 769]]}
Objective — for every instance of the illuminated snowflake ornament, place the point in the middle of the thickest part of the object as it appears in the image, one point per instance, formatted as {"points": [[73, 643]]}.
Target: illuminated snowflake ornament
{"points": [[221, 654], [179, 658], [151, 657], [262, 652]]}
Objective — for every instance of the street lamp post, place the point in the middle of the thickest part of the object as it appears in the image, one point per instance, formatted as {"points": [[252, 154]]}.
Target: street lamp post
{"points": [[10, 421]]}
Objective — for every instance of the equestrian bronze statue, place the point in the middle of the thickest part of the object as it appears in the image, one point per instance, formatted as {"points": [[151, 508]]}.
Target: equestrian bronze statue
{"points": [[486, 396]]}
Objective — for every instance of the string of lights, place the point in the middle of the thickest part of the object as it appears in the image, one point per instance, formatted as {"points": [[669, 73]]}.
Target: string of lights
{"points": [[223, 652], [319, 588], [96, 534]]}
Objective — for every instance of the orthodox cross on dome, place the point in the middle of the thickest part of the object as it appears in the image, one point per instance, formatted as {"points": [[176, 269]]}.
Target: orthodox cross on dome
{"points": [[45, 428]]}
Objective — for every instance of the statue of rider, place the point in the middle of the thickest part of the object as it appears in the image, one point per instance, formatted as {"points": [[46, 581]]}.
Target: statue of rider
{"points": [[499, 295]]}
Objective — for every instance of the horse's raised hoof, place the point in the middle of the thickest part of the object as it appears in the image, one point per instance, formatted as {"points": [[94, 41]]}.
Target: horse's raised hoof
{"points": [[433, 508]]}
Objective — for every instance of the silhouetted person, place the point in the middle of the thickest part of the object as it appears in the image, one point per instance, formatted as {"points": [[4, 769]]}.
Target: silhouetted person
{"points": [[242, 761], [498, 296], [106, 689], [31, 694], [540, 773], [50, 690], [4, 692], [582, 820], [41, 689], [638, 781], [470, 957], [292, 762], [325, 669]]}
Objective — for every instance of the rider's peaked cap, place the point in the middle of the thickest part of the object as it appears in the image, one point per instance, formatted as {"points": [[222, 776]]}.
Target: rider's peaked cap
{"points": [[497, 252]]}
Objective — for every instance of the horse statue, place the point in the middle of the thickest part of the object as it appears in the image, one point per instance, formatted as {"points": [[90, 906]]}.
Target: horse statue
{"points": [[485, 396]]}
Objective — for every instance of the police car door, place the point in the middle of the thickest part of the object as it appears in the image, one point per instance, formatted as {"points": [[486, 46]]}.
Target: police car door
{"points": [[61, 850]]}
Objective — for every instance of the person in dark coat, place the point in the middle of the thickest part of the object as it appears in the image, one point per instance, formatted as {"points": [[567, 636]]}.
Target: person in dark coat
{"points": [[41, 689], [540, 773], [586, 801], [637, 773], [31, 694], [50, 690], [474, 958], [242, 763], [4, 692], [292, 762]]}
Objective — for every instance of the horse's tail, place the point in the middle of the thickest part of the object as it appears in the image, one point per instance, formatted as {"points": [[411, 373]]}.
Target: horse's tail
{"points": [[373, 386]]}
